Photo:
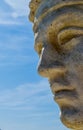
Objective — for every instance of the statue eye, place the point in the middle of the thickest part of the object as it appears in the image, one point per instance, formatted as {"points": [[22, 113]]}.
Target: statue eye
{"points": [[67, 34], [69, 38], [71, 43]]}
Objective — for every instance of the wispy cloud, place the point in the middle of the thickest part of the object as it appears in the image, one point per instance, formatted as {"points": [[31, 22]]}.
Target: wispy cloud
{"points": [[4, 7], [9, 22], [11, 11], [16, 45], [26, 96], [31, 105], [21, 9], [15, 39]]}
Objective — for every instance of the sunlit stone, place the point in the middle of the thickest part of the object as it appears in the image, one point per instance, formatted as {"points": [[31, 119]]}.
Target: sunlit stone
{"points": [[58, 31]]}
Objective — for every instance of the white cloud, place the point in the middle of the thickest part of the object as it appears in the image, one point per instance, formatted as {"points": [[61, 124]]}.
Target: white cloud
{"points": [[8, 18], [14, 15], [26, 96], [12, 10], [20, 7], [16, 46], [9, 22], [16, 60]]}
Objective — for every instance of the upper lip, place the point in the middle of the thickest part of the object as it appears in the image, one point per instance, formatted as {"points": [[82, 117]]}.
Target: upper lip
{"points": [[58, 87]]}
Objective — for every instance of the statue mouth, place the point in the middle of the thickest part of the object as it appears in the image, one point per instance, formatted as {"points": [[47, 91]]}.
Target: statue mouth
{"points": [[63, 92], [58, 87], [63, 95]]}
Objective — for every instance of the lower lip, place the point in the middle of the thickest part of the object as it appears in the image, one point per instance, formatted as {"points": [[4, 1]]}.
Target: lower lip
{"points": [[64, 95]]}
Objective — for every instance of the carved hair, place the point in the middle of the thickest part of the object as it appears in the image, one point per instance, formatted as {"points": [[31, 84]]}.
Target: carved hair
{"points": [[33, 7]]}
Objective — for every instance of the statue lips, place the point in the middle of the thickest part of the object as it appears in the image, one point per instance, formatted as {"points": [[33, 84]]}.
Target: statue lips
{"points": [[62, 93]]}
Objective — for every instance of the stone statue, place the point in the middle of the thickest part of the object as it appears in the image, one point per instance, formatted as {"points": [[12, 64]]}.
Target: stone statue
{"points": [[58, 30]]}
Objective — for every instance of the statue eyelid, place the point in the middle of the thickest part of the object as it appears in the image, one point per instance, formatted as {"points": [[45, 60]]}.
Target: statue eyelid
{"points": [[68, 34], [69, 45]]}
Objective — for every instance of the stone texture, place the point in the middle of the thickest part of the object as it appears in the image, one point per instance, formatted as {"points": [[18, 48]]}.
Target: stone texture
{"points": [[58, 32]]}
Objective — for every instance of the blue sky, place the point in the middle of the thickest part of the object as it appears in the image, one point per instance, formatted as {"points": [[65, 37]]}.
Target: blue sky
{"points": [[26, 102]]}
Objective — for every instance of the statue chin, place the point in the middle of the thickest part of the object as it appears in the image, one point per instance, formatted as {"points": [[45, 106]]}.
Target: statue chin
{"points": [[72, 117]]}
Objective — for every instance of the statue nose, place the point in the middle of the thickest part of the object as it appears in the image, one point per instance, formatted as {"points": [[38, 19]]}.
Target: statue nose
{"points": [[49, 65]]}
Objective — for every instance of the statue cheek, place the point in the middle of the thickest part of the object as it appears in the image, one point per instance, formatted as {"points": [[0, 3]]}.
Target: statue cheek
{"points": [[74, 55]]}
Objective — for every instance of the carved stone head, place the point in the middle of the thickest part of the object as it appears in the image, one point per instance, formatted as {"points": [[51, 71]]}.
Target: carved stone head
{"points": [[58, 30]]}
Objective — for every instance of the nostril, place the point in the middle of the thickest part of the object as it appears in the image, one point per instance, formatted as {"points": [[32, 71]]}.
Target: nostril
{"points": [[51, 70], [58, 63], [41, 70]]}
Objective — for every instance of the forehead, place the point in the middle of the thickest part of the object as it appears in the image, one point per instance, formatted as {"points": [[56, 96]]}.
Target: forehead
{"points": [[50, 11], [51, 20]]}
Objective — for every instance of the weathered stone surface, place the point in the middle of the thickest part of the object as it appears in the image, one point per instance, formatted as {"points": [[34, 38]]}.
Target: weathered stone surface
{"points": [[58, 30]]}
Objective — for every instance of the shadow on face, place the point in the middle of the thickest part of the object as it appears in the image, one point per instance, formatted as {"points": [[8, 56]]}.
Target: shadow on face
{"points": [[59, 44]]}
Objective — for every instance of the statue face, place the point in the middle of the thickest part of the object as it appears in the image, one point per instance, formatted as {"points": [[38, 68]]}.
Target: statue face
{"points": [[59, 44]]}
